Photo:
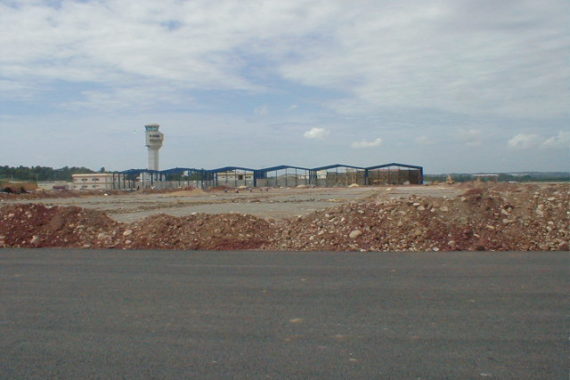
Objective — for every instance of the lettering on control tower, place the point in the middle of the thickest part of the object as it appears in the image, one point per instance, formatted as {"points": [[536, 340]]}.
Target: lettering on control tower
{"points": [[154, 139]]}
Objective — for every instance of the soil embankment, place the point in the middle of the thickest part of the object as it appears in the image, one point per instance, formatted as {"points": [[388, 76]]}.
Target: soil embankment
{"points": [[499, 217]]}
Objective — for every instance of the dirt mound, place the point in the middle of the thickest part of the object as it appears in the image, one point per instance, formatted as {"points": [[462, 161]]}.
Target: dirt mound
{"points": [[200, 231], [483, 218], [487, 217], [36, 225]]}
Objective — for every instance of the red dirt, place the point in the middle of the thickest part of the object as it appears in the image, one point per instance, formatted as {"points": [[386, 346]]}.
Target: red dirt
{"points": [[497, 217], [35, 225], [201, 231]]}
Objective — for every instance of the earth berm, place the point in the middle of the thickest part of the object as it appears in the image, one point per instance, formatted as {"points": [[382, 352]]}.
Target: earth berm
{"points": [[495, 217]]}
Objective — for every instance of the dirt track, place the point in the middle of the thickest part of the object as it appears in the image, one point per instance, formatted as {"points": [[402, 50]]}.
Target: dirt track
{"points": [[420, 218], [264, 203]]}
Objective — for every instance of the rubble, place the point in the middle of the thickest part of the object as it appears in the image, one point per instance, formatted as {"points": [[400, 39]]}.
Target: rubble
{"points": [[35, 225], [495, 217], [201, 231]]}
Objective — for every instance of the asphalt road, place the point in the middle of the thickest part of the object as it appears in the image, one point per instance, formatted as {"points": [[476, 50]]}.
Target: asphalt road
{"points": [[257, 315]]}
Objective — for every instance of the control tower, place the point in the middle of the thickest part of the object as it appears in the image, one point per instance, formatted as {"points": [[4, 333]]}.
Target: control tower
{"points": [[154, 140]]}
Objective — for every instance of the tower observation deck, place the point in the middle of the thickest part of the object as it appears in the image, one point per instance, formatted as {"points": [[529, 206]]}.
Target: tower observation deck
{"points": [[154, 139]]}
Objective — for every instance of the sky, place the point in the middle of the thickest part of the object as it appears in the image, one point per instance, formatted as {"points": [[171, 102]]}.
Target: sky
{"points": [[451, 85]]}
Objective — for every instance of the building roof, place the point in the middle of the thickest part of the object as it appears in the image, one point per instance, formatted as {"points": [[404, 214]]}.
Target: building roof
{"points": [[394, 164], [230, 168], [337, 166], [93, 175], [268, 169], [281, 167]]}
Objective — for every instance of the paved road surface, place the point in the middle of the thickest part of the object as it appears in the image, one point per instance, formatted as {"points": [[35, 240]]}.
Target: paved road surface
{"points": [[257, 315]]}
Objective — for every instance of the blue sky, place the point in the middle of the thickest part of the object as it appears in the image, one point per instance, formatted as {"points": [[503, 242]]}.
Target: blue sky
{"points": [[453, 85]]}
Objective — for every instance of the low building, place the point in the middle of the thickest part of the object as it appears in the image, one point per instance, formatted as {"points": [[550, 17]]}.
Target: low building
{"points": [[233, 176], [93, 181], [54, 185]]}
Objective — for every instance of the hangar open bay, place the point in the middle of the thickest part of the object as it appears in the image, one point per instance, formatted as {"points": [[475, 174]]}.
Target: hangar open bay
{"points": [[236, 176]]}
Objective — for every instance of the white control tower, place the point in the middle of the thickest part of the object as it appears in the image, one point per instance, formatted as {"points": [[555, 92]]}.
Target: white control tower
{"points": [[154, 140]]}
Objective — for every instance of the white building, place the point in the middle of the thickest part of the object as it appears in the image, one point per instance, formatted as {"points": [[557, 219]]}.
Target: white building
{"points": [[94, 181]]}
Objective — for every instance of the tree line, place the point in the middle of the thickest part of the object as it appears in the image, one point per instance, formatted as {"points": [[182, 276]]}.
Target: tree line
{"points": [[504, 177], [41, 173]]}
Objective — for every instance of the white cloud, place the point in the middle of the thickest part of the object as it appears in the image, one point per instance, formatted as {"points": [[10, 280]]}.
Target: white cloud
{"points": [[524, 141], [450, 55], [471, 137], [14, 90], [316, 133], [444, 71], [190, 45], [366, 144], [447, 55], [134, 97], [562, 140]]}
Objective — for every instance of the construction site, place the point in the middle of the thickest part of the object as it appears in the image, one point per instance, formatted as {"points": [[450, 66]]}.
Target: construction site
{"points": [[438, 217], [237, 176], [275, 176], [337, 207]]}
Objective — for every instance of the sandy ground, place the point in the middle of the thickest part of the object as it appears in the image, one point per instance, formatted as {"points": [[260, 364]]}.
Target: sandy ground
{"points": [[273, 203]]}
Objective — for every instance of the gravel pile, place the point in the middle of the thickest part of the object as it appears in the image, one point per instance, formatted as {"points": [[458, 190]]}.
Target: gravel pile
{"points": [[36, 225], [200, 231], [499, 217], [486, 217]]}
